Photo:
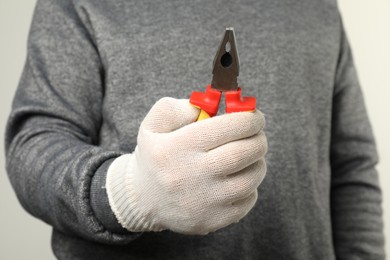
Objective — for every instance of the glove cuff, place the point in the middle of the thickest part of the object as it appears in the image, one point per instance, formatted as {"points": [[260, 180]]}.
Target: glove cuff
{"points": [[123, 195]]}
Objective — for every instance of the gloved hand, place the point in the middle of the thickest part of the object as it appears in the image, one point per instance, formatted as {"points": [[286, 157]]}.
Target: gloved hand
{"points": [[191, 178]]}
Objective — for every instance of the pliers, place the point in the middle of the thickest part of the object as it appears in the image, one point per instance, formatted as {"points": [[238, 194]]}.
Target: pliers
{"points": [[225, 72]]}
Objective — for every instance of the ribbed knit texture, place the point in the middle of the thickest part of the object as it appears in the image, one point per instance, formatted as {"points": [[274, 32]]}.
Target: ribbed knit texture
{"points": [[123, 197]]}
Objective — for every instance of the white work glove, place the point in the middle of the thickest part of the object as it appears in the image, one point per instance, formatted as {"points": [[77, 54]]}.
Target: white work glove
{"points": [[185, 176]]}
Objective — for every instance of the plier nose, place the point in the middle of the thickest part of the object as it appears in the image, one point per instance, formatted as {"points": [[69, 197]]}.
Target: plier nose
{"points": [[226, 67]]}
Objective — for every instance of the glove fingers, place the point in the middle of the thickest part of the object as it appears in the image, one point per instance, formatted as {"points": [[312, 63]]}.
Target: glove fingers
{"points": [[169, 114], [227, 214], [233, 212], [241, 207], [241, 184], [235, 156], [216, 131]]}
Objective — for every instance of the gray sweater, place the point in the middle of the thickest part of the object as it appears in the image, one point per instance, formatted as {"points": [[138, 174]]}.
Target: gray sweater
{"points": [[95, 68]]}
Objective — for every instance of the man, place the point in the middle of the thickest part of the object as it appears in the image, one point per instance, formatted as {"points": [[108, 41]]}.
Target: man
{"points": [[121, 175]]}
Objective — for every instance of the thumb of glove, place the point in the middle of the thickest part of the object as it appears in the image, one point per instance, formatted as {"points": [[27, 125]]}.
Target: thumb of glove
{"points": [[169, 114]]}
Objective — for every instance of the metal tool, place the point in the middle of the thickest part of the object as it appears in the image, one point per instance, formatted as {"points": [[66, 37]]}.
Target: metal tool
{"points": [[226, 67]]}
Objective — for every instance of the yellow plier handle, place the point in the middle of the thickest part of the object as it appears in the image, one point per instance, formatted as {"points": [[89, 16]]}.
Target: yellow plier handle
{"points": [[207, 102]]}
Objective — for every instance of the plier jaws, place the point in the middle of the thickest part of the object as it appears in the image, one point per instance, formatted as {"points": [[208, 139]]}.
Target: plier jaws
{"points": [[226, 65], [226, 68]]}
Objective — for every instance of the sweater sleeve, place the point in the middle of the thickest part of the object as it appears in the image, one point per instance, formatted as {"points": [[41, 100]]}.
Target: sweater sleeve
{"points": [[355, 191], [52, 136]]}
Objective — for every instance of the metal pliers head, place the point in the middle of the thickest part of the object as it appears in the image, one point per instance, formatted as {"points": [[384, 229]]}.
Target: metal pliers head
{"points": [[226, 67]]}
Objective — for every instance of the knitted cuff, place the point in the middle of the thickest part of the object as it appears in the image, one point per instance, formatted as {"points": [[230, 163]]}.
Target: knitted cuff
{"points": [[123, 196], [99, 200]]}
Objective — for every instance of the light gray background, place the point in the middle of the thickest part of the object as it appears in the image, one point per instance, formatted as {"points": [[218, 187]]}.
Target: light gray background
{"points": [[368, 27]]}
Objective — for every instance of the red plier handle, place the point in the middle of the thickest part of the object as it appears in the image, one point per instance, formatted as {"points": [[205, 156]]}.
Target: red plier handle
{"points": [[208, 102]]}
